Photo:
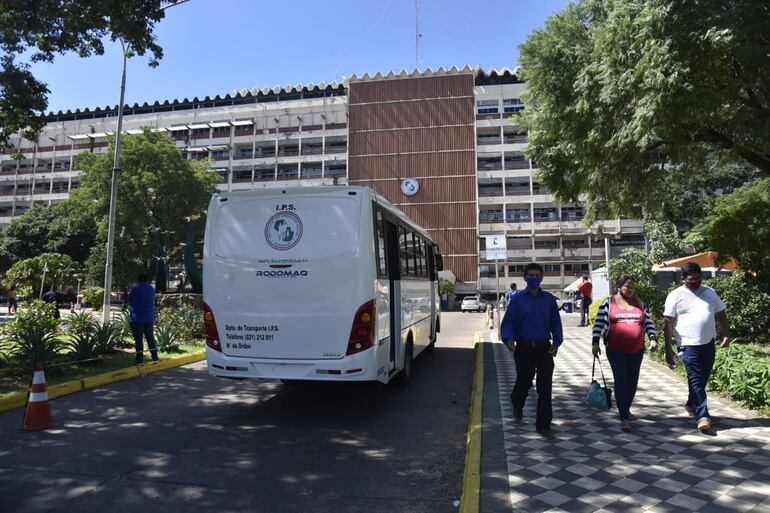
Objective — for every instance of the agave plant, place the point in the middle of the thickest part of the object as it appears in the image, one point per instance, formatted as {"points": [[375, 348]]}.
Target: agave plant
{"points": [[107, 336], [122, 327], [83, 346], [80, 322], [167, 338], [35, 343]]}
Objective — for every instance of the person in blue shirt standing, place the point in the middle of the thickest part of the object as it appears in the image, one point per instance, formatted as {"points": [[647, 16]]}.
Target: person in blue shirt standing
{"points": [[141, 304], [532, 329]]}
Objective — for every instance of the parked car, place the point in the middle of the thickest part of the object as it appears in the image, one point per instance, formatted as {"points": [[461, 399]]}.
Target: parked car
{"points": [[472, 304]]}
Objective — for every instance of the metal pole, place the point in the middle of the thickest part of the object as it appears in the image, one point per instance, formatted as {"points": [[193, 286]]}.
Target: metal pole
{"points": [[113, 198], [42, 282], [496, 306]]}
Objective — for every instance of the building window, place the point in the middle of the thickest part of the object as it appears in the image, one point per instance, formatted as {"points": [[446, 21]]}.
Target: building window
{"points": [[490, 216], [575, 243], [575, 269], [513, 105], [546, 243], [487, 107], [519, 242], [546, 214], [552, 269], [220, 154], [220, 131], [517, 215], [516, 269], [488, 270], [572, 213]]}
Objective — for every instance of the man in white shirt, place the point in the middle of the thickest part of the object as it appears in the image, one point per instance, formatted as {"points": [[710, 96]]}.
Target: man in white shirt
{"points": [[691, 313]]}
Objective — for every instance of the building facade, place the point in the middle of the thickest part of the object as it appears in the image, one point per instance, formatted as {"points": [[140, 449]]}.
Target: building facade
{"points": [[443, 146]]}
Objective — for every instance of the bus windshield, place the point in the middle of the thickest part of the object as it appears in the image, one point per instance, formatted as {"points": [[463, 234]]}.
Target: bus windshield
{"points": [[316, 228]]}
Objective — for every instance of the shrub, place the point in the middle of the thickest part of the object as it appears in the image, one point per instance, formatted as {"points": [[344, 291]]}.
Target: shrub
{"points": [[80, 322], [94, 296], [744, 377], [186, 320], [593, 309], [82, 346], [748, 306], [107, 337], [122, 326], [167, 338], [35, 343], [35, 313]]}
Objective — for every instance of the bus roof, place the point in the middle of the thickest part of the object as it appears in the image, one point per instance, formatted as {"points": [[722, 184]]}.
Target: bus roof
{"points": [[326, 189]]}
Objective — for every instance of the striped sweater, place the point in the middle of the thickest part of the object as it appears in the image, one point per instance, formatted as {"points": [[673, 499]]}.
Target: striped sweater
{"points": [[602, 324]]}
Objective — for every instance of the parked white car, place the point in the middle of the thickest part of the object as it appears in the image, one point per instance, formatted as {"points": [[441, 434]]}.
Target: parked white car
{"points": [[471, 304]]}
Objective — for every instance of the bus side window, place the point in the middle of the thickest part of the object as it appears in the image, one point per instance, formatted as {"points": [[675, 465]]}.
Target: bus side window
{"points": [[382, 264], [404, 252], [423, 261], [416, 249]]}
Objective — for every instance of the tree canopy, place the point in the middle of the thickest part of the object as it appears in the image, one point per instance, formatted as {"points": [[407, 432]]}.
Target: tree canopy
{"points": [[159, 192], [43, 229], [737, 227], [624, 94], [39, 30]]}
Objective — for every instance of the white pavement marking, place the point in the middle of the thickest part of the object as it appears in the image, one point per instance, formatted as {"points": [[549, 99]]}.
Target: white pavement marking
{"points": [[663, 463]]}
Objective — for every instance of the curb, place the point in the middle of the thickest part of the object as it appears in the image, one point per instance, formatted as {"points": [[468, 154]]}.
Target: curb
{"points": [[469, 501], [19, 399]]}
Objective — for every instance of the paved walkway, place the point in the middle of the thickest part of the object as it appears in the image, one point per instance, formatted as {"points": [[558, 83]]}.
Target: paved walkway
{"points": [[663, 465]]}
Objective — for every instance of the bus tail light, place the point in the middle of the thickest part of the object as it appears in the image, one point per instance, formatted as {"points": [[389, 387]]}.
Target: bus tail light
{"points": [[362, 332], [210, 327]]}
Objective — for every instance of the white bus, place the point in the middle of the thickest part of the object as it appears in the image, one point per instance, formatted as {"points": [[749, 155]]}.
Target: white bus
{"points": [[317, 283]]}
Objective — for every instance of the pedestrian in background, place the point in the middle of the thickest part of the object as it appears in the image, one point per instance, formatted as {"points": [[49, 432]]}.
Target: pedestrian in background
{"points": [[141, 304], [13, 304], [531, 321], [585, 289], [691, 314], [623, 320], [52, 297], [512, 292]]}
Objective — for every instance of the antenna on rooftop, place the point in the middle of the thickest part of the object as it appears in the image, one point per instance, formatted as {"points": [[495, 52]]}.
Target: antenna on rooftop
{"points": [[417, 33]]}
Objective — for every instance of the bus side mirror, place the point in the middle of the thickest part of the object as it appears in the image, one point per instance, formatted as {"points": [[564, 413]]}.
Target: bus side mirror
{"points": [[439, 263]]}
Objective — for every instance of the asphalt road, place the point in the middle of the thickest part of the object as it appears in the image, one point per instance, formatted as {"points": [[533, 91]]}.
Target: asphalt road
{"points": [[184, 441]]}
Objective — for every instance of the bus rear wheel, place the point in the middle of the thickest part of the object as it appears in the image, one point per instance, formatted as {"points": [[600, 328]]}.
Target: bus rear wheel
{"points": [[404, 377]]}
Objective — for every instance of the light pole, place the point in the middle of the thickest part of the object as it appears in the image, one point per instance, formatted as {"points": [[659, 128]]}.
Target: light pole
{"points": [[114, 187]]}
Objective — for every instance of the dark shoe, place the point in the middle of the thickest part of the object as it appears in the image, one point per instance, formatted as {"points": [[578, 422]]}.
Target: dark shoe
{"points": [[690, 412], [138, 362], [518, 413], [546, 433], [155, 360], [625, 426]]}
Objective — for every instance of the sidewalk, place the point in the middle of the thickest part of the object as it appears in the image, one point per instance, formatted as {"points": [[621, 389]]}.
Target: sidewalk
{"points": [[663, 465]]}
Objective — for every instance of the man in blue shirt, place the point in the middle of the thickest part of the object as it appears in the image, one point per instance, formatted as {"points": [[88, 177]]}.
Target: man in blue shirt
{"points": [[141, 304], [531, 321]]}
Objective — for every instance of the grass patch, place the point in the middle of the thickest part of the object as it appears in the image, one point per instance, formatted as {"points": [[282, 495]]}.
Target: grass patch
{"points": [[12, 379]]}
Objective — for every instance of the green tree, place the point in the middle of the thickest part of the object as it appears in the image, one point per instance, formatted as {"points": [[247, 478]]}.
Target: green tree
{"points": [[665, 242], [26, 276], [38, 30], [159, 192], [43, 229], [623, 94], [738, 227]]}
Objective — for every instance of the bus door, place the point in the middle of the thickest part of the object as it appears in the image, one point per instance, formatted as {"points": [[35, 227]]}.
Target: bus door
{"points": [[394, 276]]}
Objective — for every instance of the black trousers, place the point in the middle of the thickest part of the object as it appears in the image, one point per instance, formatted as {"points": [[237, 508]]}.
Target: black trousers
{"points": [[531, 362]]}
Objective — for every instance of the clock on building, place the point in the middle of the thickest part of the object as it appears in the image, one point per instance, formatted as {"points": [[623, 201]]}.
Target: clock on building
{"points": [[410, 186]]}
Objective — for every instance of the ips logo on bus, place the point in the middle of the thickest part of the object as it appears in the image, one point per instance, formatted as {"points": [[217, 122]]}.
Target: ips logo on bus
{"points": [[283, 231]]}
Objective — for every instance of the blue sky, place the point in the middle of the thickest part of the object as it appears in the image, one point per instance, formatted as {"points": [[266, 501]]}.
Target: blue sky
{"points": [[219, 46]]}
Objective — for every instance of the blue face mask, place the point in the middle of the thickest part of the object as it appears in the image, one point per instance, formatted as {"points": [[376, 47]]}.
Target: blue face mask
{"points": [[534, 283]]}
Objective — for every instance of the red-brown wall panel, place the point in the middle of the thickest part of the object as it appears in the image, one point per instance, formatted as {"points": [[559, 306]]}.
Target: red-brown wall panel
{"points": [[423, 128], [462, 162], [412, 140], [411, 88], [384, 116]]}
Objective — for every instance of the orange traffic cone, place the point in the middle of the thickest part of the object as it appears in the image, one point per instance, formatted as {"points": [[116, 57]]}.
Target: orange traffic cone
{"points": [[38, 414]]}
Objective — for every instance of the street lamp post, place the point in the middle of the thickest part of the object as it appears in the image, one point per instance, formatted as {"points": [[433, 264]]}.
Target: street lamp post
{"points": [[114, 197], [114, 186]]}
